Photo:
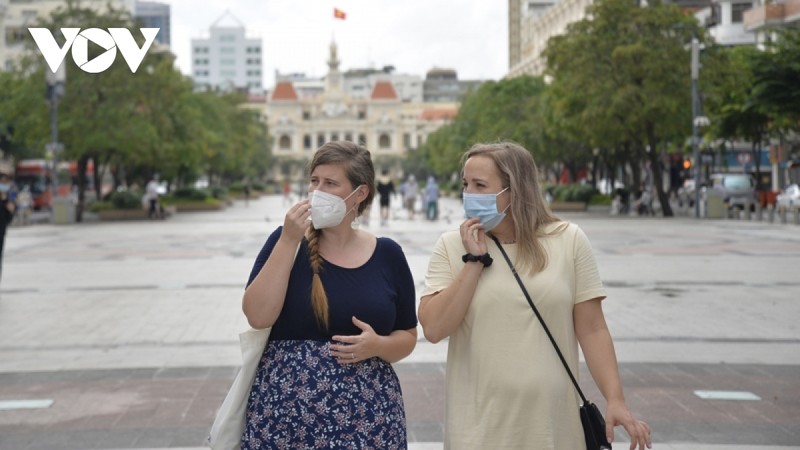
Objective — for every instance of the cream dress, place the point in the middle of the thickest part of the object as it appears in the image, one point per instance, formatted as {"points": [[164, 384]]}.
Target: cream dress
{"points": [[506, 388]]}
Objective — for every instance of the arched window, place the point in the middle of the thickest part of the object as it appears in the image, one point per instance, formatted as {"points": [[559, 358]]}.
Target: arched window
{"points": [[285, 142], [384, 141]]}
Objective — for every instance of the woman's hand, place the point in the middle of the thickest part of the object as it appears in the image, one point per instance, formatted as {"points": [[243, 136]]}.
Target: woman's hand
{"points": [[473, 236], [638, 430], [353, 349], [297, 221]]}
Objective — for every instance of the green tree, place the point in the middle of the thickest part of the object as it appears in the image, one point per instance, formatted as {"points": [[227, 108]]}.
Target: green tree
{"points": [[621, 79], [508, 109]]}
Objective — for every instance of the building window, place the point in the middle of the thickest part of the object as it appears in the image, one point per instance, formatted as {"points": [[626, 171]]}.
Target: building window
{"points": [[362, 139], [306, 115], [362, 114], [227, 50], [407, 140], [285, 142], [320, 140], [384, 142], [335, 137], [737, 11], [307, 141], [227, 62], [348, 137]]}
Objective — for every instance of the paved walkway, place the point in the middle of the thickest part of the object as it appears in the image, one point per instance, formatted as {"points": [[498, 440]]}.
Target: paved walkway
{"points": [[130, 328]]}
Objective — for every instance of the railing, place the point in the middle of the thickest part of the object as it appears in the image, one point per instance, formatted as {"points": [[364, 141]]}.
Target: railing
{"points": [[772, 14]]}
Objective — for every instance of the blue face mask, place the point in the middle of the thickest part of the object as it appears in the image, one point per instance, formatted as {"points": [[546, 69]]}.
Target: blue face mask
{"points": [[484, 206]]}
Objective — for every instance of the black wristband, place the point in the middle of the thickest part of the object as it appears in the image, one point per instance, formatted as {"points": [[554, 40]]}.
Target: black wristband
{"points": [[484, 259]]}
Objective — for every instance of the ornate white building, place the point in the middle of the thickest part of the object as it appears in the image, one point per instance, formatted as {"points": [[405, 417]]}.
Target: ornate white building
{"points": [[300, 120]]}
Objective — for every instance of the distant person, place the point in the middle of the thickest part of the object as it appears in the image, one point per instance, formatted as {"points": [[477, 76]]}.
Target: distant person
{"points": [[432, 199], [410, 195], [340, 302], [24, 205], [151, 194], [246, 192], [287, 193], [385, 187], [7, 209]]}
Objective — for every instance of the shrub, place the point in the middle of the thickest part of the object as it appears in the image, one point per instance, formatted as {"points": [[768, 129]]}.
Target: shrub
{"points": [[126, 200], [190, 194]]}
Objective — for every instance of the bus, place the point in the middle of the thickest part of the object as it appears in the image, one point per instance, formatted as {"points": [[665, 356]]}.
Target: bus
{"points": [[35, 173]]}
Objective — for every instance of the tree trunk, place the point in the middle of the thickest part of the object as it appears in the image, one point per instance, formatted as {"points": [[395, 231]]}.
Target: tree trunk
{"points": [[82, 164], [658, 172]]}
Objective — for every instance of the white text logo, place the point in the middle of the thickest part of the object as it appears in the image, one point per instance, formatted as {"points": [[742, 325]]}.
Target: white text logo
{"points": [[110, 40]]}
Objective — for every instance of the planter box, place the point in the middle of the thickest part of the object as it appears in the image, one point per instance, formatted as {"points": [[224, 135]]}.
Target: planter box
{"points": [[131, 214], [567, 206], [191, 207], [123, 214]]}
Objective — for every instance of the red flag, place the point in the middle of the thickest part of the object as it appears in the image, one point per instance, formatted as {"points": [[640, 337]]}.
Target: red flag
{"points": [[339, 14]]}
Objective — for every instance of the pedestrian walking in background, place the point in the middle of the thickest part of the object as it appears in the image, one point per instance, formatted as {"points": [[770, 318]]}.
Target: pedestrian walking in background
{"points": [[246, 192], [151, 194], [506, 386], [7, 209], [410, 194], [325, 379], [432, 199], [385, 188]]}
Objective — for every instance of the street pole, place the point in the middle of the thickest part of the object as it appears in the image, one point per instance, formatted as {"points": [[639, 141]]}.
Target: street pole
{"points": [[695, 125], [55, 89]]}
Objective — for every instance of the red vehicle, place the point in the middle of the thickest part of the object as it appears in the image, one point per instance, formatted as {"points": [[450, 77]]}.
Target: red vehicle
{"points": [[35, 173]]}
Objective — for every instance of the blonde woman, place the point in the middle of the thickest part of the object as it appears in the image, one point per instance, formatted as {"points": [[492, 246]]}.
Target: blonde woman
{"points": [[341, 312], [506, 387]]}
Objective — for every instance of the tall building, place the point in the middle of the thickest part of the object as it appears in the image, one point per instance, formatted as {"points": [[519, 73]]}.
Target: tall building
{"points": [[303, 114], [766, 17], [16, 16], [532, 23], [443, 85], [227, 60], [725, 21], [156, 15]]}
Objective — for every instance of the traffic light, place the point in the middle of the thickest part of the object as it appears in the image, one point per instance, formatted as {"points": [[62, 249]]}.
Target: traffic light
{"points": [[687, 166]]}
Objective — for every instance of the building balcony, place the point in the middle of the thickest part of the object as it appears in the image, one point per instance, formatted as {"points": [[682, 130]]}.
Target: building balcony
{"points": [[772, 15]]}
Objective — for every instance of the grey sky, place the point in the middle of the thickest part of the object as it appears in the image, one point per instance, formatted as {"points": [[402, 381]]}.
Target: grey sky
{"points": [[470, 36]]}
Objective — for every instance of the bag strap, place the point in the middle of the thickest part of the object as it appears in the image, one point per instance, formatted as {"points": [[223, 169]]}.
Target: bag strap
{"points": [[539, 316]]}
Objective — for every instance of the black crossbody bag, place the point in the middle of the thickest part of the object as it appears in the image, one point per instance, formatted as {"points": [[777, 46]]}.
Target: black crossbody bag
{"points": [[594, 426]]}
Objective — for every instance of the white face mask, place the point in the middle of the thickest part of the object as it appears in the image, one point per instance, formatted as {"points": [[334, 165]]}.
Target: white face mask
{"points": [[328, 210]]}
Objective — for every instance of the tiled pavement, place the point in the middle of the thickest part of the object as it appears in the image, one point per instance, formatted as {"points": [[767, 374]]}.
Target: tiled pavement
{"points": [[131, 328]]}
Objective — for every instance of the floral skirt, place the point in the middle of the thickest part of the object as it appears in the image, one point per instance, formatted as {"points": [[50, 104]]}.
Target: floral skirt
{"points": [[302, 398]]}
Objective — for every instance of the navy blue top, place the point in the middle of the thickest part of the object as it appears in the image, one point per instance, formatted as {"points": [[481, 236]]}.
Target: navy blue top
{"points": [[380, 293]]}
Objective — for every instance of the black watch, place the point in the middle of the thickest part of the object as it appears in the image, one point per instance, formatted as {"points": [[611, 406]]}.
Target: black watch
{"points": [[484, 259]]}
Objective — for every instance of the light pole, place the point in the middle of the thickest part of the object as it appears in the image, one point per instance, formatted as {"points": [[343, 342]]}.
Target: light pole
{"points": [[56, 82], [698, 121]]}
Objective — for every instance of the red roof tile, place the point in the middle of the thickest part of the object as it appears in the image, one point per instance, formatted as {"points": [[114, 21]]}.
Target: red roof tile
{"points": [[383, 90], [284, 91], [438, 113]]}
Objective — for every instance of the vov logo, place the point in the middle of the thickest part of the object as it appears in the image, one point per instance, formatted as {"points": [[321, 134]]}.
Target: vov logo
{"points": [[111, 40]]}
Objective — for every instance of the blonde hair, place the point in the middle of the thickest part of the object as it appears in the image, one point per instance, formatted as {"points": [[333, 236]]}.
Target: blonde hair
{"points": [[529, 210], [358, 167]]}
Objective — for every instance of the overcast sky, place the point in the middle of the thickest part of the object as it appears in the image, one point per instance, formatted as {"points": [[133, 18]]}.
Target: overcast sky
{"points": [[470, 36]]}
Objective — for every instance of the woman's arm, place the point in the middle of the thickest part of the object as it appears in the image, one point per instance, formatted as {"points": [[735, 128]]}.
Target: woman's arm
{"points": [[441, 313], [263, 298], [598, 349]]}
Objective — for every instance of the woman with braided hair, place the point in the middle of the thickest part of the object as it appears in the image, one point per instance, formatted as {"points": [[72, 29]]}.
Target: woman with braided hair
{"points": [[325, 379]]}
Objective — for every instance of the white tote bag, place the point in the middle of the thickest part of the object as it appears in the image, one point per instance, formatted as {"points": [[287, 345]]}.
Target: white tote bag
{"points": [[228, 427]]}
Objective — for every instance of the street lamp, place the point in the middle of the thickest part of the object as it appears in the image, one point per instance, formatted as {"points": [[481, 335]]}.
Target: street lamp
{"points": [[698, 121], [56, 82]]}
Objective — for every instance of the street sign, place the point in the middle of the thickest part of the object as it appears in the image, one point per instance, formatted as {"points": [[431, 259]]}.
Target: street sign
{"points": [[744, 158], [54, 147]]}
